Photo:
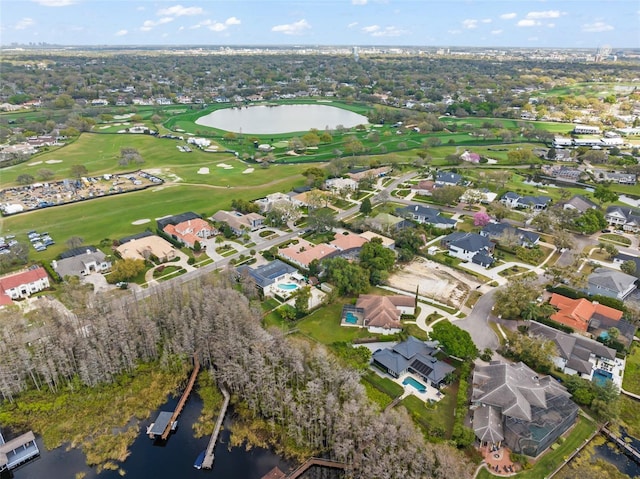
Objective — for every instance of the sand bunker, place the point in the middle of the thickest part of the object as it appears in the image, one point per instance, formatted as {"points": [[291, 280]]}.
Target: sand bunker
{"points": [[203, 171], [105, 126], [34, 163], [123, 117], [53, 162], [225, 166], [435, 281], [248, 170], [141, 222]]}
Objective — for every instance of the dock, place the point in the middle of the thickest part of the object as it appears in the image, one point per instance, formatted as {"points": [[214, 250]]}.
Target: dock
{"points": [[17, 451], [166, 422], [208, 457], [627, 449], [276, 473]]}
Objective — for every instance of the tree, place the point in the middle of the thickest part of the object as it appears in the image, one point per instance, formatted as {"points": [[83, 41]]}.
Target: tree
{"points": [[365, 207], [349, 278], [513, 298], [78, 171], [604, 194], [447, 194], [535, 352], [543, 222], [498, 210], [45, 174], [481, 219], [25, 179], [590, 221], [74, 242], [377, 259], [628, 267], [563, 240], [130, 155], [321, 219], [197, 247], [301, 303], [551, 154], [125, 269], [353, 145], [455, 341], [611, 251]]}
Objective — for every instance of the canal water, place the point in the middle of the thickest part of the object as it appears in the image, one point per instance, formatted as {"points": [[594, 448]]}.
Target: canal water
{"points": [[172, 460], [612, 454]]}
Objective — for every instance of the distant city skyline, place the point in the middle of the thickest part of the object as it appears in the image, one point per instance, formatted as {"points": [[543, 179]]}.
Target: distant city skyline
{"points": [[472, 23]]}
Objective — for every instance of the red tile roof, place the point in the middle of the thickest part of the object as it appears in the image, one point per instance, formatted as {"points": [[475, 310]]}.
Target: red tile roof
{"points": [[576, 313], [25, 277]]}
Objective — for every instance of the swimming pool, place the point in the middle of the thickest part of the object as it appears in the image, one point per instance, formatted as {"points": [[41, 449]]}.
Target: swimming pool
{"points": [[350, 318], [288, 286], [600, 377], [416, 384]]}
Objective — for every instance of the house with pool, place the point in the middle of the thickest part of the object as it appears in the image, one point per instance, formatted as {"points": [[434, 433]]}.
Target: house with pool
{"points": [[379, 314], [413, 362], [274, 278]]}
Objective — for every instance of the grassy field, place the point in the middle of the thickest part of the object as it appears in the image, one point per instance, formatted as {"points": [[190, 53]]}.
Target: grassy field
{"points": [[631, 379], [436, 420], [552, 458]]}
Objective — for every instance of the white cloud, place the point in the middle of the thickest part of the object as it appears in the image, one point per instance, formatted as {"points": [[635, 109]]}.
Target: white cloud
{"points": [[55, 3], [486, 20], [25, 23], [216, 26], [179, 11], [352, 24], [359, 2], [140, 8], [150, 24], [551, 25], [527, 22], [295, 28], [597, 27], [454, 32], [496, 32], [121, 33], [545, 14], [388, 32], [469, 24], [371, 29], [508, 16], [232, 21]]}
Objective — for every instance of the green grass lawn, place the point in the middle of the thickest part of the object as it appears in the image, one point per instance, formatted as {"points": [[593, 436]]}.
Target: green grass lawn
{"points": [[631, 379], [435, 420], [614, 238], [553, 458], [629, 417]]}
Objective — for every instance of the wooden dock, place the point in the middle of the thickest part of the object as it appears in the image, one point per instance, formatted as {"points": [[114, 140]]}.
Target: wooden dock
{"points": [[276, 473], [183, 399], [208, 457], [628, 450]]}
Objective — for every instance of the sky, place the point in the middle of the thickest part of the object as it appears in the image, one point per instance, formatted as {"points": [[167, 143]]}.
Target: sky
{"points": [[474, 23]]}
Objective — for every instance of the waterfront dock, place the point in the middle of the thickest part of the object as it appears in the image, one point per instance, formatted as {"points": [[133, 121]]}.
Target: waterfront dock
{"points": [[626, 447], [167, 421], [208, 457], [17, 451], [276, 473]]}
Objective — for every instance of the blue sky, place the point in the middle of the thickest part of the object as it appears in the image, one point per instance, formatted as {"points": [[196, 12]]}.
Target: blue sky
{"points": [[515, 23]]}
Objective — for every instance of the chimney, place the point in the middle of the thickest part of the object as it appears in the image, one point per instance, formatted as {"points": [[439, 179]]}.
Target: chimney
{"points": [[54, 264]]}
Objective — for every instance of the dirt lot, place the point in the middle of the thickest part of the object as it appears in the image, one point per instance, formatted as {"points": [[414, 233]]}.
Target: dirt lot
{"points": [[435, 280]]}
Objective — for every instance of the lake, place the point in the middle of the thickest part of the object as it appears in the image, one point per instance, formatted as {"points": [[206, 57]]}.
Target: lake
{"points": [[264, 120], [172, 460]]}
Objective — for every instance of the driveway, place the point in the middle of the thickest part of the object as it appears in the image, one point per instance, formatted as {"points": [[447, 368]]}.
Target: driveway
{"points": [[98, 281], [477, 325]]}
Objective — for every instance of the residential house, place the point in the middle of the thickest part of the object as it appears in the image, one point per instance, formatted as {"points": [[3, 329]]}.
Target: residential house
{"points": [[268, 276], [579, 203], [413, 357], [424, 214], [267, 203], [386, 242], [303, 252], [23, 284], [467, 246], [424, 187], [348, 244], [341, 184], [145, 247], [514, 200], [189, 232], [533, 411], [473, 196], [576, 355], [627, 218], [621, 258], [611, 283], [238, 222], [562, 172], [498, 231], [560, 142], [88, 260], [372, 173], [578, 313], [446, 178], [162, 223], [381, 314], [388, 223], [620, 178]]}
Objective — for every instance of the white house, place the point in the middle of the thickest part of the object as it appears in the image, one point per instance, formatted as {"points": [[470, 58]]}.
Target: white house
{"points": [[24, 284], [340, 184]]}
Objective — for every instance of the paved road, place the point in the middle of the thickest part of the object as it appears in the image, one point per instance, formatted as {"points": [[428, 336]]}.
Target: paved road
{"points": [[477, 325]]}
